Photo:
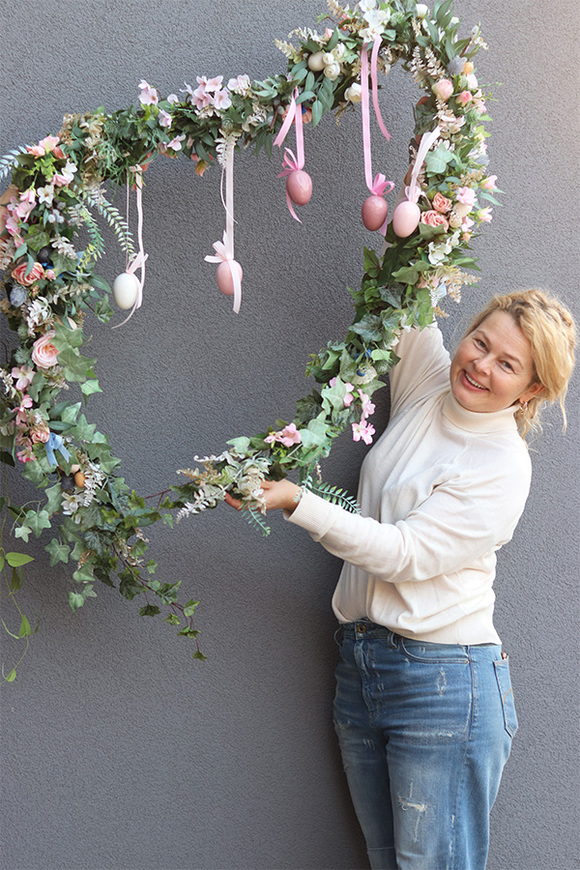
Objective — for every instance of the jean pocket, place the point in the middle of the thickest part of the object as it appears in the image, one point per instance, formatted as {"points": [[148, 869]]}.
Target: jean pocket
{"points": [[434, 653], [502, 673]]}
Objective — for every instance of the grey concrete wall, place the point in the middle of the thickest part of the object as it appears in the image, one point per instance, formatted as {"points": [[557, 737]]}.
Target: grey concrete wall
{"points": [[117, 750]]}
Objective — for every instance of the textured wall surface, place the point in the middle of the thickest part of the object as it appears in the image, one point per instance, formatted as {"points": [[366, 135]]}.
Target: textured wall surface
{"points": [[120, 752]]}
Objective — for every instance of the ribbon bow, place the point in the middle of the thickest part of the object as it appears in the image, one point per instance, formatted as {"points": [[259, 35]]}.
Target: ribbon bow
{"points": [[55, 442], [412, 191]]}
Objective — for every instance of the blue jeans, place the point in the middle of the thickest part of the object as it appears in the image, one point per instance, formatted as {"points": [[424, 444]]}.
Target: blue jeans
{"points": [[425, 730]]}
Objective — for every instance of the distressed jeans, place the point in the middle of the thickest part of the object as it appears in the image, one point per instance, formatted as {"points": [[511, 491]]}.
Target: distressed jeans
{"points": [[425, 730]]}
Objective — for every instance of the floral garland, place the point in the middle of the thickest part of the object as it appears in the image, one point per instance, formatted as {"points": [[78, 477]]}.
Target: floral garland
{"points": [[50, 286]]}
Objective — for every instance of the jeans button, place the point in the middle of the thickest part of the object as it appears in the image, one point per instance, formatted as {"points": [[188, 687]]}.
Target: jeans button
{"points": [[362, 628]]}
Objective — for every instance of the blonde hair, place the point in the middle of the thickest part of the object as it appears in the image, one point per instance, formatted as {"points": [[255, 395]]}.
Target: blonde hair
{"points": [[550, 329]]}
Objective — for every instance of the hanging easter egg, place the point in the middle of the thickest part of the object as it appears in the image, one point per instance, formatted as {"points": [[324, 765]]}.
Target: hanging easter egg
{"points": [[125, 290], [225, 279], [406, 218], [316, 61], [299, 187], [44, 255], [79, 479], [374, 212]]}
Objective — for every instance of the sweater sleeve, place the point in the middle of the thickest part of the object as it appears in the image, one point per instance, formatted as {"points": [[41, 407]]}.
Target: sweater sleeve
{"points": [[458, 523], [423, 367]]}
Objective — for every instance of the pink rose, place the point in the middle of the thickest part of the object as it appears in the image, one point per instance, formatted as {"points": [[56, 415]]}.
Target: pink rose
{"points": [[464, 98], [44, 353], [434, 219], [19, 274], [443, 89], [441, 203]]}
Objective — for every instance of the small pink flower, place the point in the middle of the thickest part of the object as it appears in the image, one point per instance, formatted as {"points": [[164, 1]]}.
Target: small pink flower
{"points": [[212, 85], [45, 146], [25, 455], [484, 215], [348, 397], [164, 119], [364, 431], [44, 353], [25, 404], [49, 274], [287, 436], [175, 144], [464, 98], [466, 195], [441, 203], [221, 99], [148, 96], [433, 219], [24, 376], [466, 224], [443, 89], [368, 407], [489, 182], [19, 274], [40, 431]]}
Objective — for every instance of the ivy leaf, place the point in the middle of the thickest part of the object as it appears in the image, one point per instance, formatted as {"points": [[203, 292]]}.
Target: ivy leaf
{"points": [[190, 607], [37, 521], [149, 610], [53, 499], [172, 619], [58, 552], [89, 387], [23, 532], [25, 629], [76, 366], [200, 656]]}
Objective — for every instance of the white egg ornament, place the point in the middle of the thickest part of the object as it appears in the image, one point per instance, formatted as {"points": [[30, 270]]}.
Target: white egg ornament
{"points": [[299, 187], [406, 218], [126, 290], [224, 276], [374, 212]]}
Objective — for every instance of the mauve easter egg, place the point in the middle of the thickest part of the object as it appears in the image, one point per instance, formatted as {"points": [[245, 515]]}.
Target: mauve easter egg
{"points": [[299, 187], [406, 218], [125, 290], [374, 212], [225, 280]]}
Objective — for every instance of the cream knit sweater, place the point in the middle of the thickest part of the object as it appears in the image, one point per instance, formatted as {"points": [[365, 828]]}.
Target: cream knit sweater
{"points": [[440, 492]]}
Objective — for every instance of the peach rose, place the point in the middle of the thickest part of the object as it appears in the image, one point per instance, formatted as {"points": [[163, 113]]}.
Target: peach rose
{"points": [[443, 89], [44, 353], [434, 219], [441, 203], [19, 274]]}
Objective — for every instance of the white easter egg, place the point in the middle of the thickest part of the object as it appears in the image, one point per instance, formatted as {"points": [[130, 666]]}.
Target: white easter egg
{"points": [[125, 290], [406, 218], [225, 280]]}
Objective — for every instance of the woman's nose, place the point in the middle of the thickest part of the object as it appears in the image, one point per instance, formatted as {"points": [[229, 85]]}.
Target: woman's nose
{"points": [[482, 363]]}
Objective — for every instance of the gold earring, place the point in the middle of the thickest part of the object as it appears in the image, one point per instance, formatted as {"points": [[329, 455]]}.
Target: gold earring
{"points": [[523, 406]]}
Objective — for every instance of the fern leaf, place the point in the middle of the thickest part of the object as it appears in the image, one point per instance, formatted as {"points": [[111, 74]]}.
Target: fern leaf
{"points": [[334, 495], [9, 160], [255, 518], [115, 220]]}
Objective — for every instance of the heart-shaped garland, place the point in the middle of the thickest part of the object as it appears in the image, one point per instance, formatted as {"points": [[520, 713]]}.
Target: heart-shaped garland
{"points": [[58, 185]]}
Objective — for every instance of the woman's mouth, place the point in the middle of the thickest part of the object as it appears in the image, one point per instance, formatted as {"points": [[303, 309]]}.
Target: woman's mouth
{"points": [[473, 383]]}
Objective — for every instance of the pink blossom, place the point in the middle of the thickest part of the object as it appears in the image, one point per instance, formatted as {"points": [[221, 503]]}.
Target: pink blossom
{"points": [[466, 224], [176, 143], [466, 195], [25, 455], [148, 96], [45, 146], [489, 182], [368, 407], [484, 215], [200, 97], [49, 274], [65, 177], [164, 119], [222, 99], [25, 403], [212, 85], [464, 98], [24, 376], [363, 430], [287, 436]]}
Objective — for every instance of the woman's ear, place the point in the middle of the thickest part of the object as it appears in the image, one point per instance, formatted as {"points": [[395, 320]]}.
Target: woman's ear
{"points": [[532, 391]]}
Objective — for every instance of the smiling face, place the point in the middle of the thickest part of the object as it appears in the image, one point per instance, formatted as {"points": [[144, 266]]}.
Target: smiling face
{"points": [[493, 368]]}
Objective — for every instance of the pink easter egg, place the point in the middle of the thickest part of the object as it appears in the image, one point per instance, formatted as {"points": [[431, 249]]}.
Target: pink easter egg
{"points": [[406, 218], [225, 280], [299, 187], [374, 212]]}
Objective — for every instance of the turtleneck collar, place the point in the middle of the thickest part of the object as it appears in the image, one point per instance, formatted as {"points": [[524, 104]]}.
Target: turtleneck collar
{"points": [[475, 421]]}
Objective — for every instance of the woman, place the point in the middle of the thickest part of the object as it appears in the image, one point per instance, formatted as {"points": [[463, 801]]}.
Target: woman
{"points": [[424, 709]]}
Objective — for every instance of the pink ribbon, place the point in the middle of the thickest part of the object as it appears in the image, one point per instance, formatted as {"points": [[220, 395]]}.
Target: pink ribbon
{"points": [[380, 185], [292, 161], [224, 251], [412, 192], [138, 261]]}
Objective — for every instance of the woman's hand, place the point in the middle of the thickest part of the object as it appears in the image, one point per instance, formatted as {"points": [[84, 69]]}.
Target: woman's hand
{"points": [[278, 494]]}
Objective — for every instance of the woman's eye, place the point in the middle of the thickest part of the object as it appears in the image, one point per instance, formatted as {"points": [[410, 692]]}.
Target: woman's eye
{"points": [[480, 343], [508, 366]]}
